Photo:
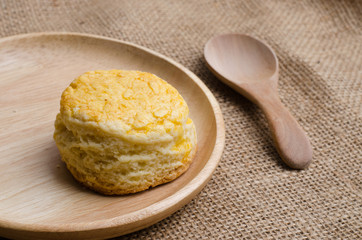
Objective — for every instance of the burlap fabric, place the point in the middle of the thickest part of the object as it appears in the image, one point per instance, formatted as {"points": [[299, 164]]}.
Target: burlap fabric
{"points": [[252, 195]]}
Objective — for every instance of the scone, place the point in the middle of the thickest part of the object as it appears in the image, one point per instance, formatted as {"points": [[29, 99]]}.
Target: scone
{"points": [[122, 132]]}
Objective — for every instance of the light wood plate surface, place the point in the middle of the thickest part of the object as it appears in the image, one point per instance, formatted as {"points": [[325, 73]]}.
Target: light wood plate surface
{"points": [[39, 199]]}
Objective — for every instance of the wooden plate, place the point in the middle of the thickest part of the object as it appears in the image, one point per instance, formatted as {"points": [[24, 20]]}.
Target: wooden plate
{"points": [[39, 199]]}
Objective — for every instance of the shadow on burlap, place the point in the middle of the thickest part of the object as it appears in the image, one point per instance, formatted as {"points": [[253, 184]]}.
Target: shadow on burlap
{"points": [[252, 195]]}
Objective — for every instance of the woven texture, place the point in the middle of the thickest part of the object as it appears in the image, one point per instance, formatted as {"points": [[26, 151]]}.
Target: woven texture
{"points": [[252, 195]]}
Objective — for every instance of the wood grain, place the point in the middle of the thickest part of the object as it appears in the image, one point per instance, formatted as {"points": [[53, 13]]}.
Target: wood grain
{"points": [[39, 199]]}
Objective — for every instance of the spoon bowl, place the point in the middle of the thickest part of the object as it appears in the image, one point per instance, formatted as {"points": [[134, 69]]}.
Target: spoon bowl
{"points": [[251, 59], [251, 68]]}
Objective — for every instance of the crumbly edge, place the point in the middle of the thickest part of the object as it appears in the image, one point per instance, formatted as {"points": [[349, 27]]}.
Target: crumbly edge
{"points": [[81, 178]]}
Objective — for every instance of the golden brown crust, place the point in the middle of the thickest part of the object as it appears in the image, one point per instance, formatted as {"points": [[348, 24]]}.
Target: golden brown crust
{"points": [[82, 178], [122, 132]]}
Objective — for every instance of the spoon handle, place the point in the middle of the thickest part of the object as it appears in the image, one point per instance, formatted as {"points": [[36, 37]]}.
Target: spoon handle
{"points": [[291, 141]]}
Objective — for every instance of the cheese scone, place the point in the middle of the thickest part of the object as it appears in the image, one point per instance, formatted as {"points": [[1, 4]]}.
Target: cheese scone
{"points": [[122, 132]]}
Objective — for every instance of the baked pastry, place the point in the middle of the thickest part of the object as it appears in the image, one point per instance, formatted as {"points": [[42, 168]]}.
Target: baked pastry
{"points": [[122, 132]]}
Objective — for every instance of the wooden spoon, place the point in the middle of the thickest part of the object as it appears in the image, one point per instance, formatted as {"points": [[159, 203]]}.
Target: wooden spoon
{"points": [[251, 68]]}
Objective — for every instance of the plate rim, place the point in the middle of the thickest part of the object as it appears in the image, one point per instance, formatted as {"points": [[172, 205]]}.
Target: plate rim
{"points": [[160, 209]]}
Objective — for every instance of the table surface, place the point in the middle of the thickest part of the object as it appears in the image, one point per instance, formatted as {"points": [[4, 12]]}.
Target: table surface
{"points": [[252, 194]]}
